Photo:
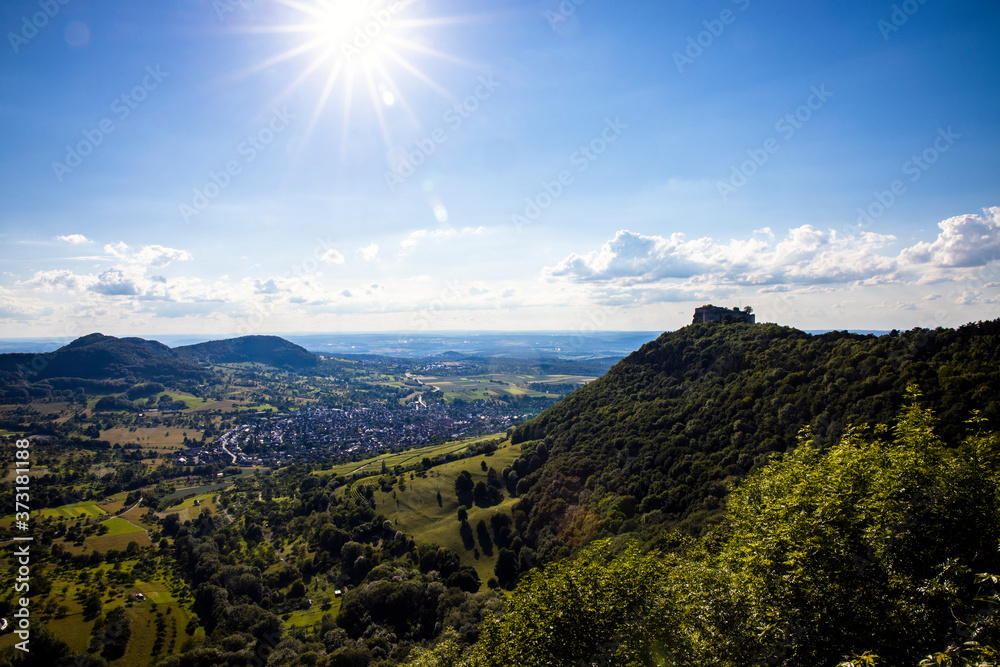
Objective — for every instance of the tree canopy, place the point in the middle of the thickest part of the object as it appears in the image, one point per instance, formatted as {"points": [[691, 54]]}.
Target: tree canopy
{"points": [[881, 549]]}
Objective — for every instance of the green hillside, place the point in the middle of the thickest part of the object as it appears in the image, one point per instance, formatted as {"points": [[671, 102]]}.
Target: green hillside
{"points": [[880, 550], [415, 510], [659, 440]]}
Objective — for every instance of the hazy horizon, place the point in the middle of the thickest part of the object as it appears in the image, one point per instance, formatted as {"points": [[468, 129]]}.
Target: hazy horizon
{"points": [[523, 344]]}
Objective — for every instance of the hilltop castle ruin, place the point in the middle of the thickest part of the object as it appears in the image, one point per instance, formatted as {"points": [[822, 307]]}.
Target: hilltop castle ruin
{"points": [[712, 313]]}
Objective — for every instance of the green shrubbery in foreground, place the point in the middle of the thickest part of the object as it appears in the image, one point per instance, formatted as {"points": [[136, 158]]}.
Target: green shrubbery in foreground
{"points": [[880, 550]]}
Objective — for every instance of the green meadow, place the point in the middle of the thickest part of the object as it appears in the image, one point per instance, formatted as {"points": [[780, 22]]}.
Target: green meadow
{"points": [[87, 508]]}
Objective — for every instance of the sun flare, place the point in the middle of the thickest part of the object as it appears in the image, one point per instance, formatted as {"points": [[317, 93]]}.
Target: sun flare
{"points": [[375, 45]]}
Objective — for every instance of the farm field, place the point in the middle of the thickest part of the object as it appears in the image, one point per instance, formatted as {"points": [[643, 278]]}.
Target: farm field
{"points": [[189, 400], [115, 503], [159, 438], [85, 509], [121, 531], [135, 516], [119, 526], [106, 550], [49, 407], [497, 385], [226, 405], [119, 541], [34, 471]]}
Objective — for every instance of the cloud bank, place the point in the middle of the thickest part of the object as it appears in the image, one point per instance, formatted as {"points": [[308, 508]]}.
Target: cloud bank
{"points": [[806, 256]]}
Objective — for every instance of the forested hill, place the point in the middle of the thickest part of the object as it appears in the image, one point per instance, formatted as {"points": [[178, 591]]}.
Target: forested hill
{"points": [[99, 357], [660, 438], [270, 350], [96, 357]]}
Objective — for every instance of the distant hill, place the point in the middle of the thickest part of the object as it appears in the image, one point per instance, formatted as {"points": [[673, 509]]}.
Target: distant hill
{"points": [[270, 350], [97, 356], [660, 438]]}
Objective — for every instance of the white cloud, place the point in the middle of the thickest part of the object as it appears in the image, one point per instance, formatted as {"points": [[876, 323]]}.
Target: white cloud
{"points": [[152, 256], [156, 256], [369, 253], [803, 272], [644, 295], [332, 256], [124, 279], [118, 250], [75, 239], [62, 279], [806, 255], [183, 309], [267, 287], [633, 256], [17, 309], [633, 269], [414, 238], [964, 241], [117, 281]]}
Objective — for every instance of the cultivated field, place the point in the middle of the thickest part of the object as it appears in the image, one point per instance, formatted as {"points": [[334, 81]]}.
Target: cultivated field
{"points": [[497, 385], [87, 508], [153, 438]]}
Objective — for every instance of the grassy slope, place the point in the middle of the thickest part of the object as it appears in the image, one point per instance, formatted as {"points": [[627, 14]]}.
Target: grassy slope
{"points": [[117, 526], [416, 512], [373, 466]]}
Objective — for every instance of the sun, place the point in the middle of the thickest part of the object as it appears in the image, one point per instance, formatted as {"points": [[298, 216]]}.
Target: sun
{"points": [[351, 45]]}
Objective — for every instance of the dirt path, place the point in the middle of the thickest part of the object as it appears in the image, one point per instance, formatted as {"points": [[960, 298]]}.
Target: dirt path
{"points": [[121, 515], [224, 512]]}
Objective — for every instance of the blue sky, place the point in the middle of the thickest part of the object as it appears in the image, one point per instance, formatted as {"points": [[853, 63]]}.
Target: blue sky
{"points": [[218, 167]]}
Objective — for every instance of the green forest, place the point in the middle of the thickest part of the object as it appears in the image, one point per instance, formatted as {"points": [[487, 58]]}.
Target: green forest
{"points": [[878, 550]]}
